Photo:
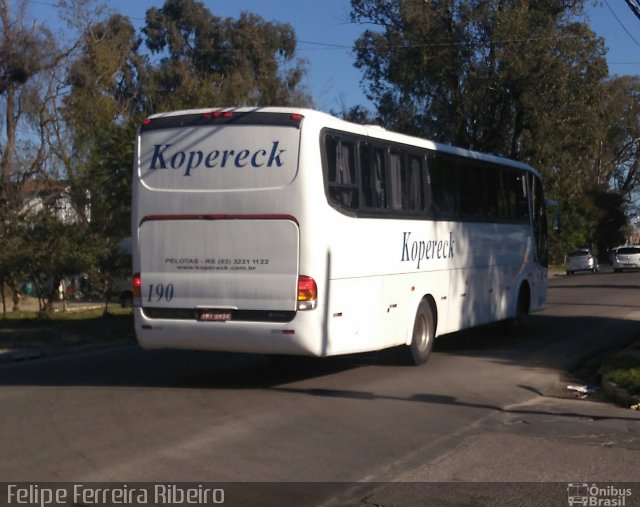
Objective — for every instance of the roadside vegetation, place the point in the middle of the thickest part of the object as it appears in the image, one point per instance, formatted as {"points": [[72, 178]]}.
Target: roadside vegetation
{"points": [[624, 371], [30, 329]]}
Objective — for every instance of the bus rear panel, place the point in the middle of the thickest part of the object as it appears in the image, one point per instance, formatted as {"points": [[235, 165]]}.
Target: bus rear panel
{"points": [[217, 250]]}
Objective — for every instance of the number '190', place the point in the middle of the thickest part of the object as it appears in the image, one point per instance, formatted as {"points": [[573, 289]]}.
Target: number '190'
{"points": [[159, 292]]}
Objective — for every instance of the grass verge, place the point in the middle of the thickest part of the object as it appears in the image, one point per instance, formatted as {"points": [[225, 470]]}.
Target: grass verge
{"points": [[624, 371], [26, 330]]}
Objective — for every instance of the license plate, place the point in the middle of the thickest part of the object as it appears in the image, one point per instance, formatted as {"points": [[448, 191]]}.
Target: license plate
{"points": [[214, 315]]}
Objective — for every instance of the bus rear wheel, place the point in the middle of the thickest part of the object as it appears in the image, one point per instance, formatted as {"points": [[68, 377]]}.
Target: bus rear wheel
{"points": [[517, 322], [419, 350]]}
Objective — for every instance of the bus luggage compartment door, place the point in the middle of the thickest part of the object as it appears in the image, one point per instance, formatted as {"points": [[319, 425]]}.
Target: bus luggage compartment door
{"points": [[219, 267]]}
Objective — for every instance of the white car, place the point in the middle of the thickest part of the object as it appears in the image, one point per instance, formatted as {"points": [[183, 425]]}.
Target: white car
{"points": [[626, 257], [581, 259]]}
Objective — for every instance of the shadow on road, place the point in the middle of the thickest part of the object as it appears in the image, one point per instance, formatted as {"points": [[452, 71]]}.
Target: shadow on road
{"points": [[546, 342], [561, 337], [441, 400], [596, 286]]}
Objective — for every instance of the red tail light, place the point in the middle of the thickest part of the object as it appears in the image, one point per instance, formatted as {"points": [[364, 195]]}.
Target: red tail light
{"points": [[219, 114], [136, 285], [307, 293]]}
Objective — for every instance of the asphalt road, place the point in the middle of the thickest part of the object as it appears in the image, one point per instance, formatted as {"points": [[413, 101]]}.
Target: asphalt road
{"points": [[488, 406]]}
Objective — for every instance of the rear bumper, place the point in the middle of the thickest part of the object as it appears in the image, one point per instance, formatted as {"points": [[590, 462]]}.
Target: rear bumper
{"points": [[297, 337], [579, 267], [625, 265]]}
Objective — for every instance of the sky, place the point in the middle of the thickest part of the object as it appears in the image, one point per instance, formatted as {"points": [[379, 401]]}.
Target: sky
{"points": [[326, 36]]}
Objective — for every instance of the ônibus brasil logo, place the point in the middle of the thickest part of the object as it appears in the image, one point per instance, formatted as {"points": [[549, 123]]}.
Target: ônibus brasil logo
{"points": [[582, 493]]}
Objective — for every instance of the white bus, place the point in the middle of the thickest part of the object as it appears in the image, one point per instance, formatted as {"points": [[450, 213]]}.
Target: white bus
{"points": [[289, 231]]}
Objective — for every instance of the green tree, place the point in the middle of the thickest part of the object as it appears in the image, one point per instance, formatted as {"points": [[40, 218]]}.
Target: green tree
{"points": [[197, 60], [204, 61], [619, 148], [356, 114], [520, 79], [96, 134], [52, 250], [24, 54], [100, 116], [29, 70], [208, 61], [610, 230]]}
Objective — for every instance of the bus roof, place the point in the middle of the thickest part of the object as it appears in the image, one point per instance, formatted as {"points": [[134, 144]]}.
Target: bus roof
{"points": [[374, 131]]}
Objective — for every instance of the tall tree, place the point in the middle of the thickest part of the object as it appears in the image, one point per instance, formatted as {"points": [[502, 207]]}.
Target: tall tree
{"points": [[619, 148], [476, 73], [196, 60], [25, 52], [96, 136], [29, 69], [215, 61], [524, 79], [33, 63]]}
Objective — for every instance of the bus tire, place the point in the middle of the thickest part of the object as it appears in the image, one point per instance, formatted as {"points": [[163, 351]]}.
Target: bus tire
{"points": [[423, 334], [517, 322]]}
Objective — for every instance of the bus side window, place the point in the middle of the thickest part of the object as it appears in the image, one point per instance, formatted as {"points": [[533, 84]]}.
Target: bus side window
{"points": [[415, 184], [366, 176], [445, 189], [406, 175], [514, 197], [379, 177], [373, 176], [470, 191], [341, 168], [523, 202], [504, 205], [539, 219], [397, 172], [491, 183]]}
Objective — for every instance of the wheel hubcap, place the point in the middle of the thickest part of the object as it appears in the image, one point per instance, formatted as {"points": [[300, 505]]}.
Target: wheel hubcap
{"points": [[421, 333]]}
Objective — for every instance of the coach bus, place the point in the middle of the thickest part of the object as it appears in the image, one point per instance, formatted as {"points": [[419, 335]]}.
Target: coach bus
{"points": [[290, 231]]}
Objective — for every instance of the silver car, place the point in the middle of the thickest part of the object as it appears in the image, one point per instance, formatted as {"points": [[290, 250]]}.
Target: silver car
{"points": [[626, 257], [580, 260]]}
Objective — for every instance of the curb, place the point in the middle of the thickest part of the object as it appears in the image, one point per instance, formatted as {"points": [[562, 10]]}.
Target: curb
{"points": [[619, 395]]}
